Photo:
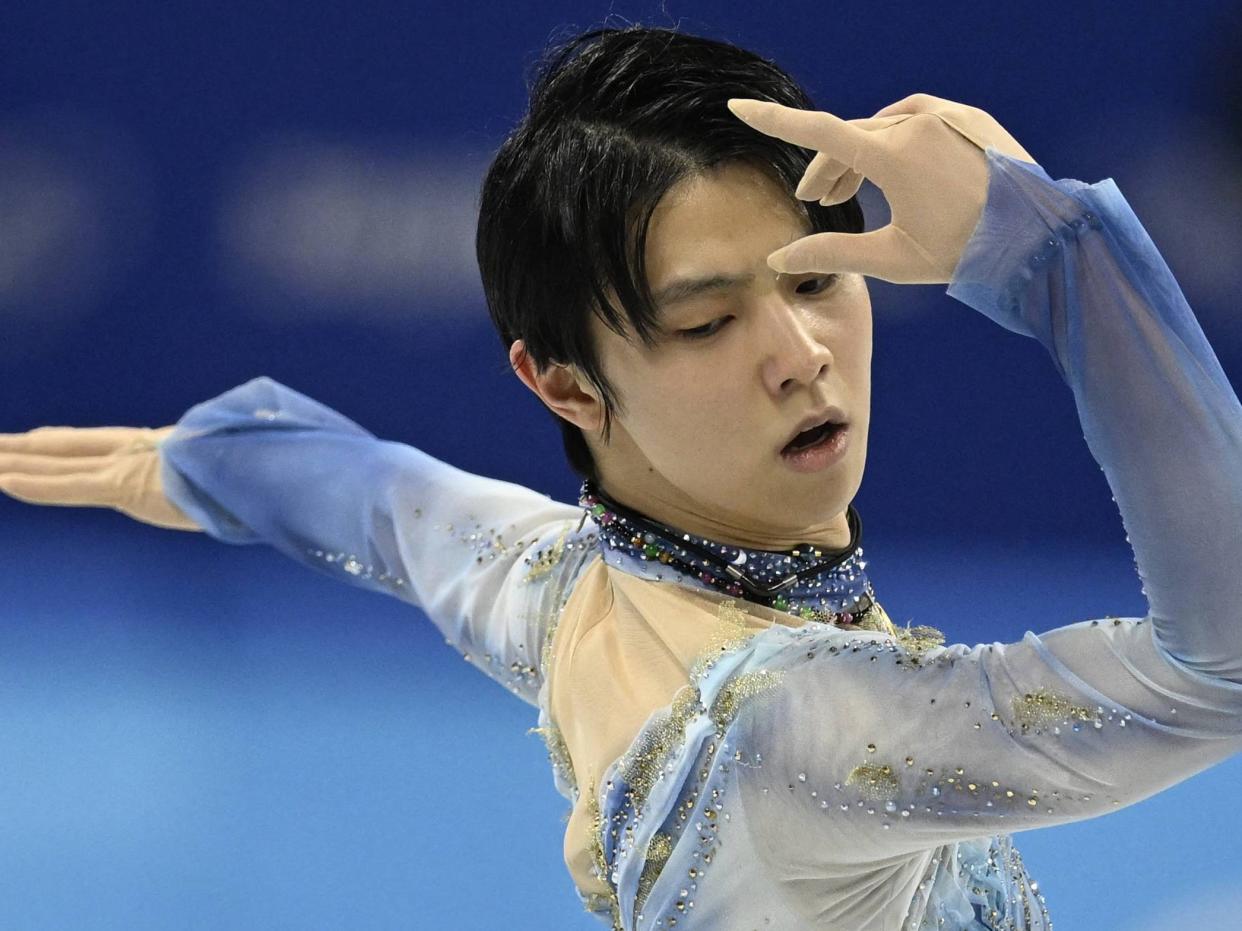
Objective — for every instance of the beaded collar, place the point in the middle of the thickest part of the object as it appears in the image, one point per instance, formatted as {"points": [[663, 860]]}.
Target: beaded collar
{"points": [[803, 581]]}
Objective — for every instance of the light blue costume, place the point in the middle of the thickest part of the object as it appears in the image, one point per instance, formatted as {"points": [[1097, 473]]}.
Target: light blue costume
{"points": [[871, 786]]}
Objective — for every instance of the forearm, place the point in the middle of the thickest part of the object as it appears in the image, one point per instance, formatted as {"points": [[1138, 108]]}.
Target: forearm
{"points": [[1070, 265]]}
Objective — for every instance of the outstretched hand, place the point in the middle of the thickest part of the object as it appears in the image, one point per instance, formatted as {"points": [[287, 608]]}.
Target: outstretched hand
{"points": [[925, 153], [113, 467]]}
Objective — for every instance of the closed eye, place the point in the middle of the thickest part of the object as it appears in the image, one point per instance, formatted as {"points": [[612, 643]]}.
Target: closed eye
{"points": [[713, 327], [707, 329], [827, 281]]}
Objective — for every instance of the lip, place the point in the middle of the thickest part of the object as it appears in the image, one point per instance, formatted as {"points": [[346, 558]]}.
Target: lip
{"points": [[825, 454], [833, 414]]}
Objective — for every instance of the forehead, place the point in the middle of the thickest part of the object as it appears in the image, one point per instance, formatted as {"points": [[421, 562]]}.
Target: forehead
{"points": [[712, 225], [722, 217]]}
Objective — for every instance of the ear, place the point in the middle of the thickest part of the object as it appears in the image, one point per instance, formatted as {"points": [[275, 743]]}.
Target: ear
{"points": [[565, 391]]}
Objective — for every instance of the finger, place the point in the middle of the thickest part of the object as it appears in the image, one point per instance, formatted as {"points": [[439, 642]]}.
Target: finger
{"points": [[81, 490], [886, 253], [69, 441], [32, 464], [829, 182], [846, 187], [820, 175], [813, 129]]}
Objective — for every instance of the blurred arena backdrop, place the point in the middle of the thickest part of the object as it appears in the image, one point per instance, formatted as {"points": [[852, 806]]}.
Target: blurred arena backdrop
{"points": [[195, 735]]}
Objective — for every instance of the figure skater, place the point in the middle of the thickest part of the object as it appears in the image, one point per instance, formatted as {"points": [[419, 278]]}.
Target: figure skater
{"points": [[673, 255]]}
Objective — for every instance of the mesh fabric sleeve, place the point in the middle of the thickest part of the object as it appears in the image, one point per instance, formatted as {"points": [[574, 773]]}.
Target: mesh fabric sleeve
{"points": [[489, 562]]}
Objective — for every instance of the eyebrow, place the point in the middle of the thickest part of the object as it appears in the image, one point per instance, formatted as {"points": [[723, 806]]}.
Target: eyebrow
{"points": [[682, 289]]}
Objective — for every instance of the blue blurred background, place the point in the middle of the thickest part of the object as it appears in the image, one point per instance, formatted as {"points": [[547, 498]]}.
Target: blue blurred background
{"points": [[198, 735]]}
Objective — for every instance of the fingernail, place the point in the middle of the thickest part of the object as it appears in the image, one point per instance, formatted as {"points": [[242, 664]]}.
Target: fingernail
{"points": [[803, 187], [745, 107], [778, 262]]}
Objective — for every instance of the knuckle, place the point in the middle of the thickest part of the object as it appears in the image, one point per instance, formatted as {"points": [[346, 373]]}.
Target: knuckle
{"points": [[925, 125], [919, 102]]}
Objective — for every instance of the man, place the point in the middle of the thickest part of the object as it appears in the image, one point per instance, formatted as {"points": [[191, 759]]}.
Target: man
{"points": [[746, 739]]}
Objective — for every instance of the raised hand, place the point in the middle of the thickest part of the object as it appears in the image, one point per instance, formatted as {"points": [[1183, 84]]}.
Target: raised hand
{"points": [[112, 467], [925, 153]]}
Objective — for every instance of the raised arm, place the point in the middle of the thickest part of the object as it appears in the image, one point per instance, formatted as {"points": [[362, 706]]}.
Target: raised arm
{"points": [[490, 562], [867, 751]]}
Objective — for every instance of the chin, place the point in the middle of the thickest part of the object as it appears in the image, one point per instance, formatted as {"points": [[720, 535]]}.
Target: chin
{"points": [[807, 501]]}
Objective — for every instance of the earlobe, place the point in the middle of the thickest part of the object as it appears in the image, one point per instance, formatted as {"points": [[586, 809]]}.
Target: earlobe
{"points": [[560, 388]]}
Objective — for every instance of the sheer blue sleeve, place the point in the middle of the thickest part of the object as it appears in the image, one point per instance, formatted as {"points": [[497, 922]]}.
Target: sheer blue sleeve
{"points": [[489, 562], [1070, 265], [871, 749]]}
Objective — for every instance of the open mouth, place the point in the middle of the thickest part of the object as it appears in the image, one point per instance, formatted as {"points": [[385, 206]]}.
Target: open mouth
{"points": [[812, 437]]}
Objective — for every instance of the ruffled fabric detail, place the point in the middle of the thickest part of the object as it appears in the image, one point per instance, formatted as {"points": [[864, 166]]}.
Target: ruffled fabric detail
{"points": [[978, 885]]}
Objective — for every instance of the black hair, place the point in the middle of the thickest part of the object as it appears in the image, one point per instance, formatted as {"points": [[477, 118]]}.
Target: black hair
{"points": [[617, 116]]}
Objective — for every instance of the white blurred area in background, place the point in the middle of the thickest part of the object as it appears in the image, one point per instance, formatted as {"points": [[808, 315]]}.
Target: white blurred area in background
{"points": [[1211, 905], [76, 211], [342, 229]]}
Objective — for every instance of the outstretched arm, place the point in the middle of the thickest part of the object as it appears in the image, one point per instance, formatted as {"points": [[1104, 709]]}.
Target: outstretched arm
{"points": [[490, 562]]}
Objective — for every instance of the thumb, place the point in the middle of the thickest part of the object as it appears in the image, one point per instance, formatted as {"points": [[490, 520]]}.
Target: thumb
{"points": [[886, 253]]}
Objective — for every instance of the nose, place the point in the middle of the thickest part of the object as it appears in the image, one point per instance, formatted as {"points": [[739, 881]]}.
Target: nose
{"points": [[795, 355]]}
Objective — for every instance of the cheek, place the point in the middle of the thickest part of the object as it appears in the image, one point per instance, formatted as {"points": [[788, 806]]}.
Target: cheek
{"points": [[692, 419]]}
